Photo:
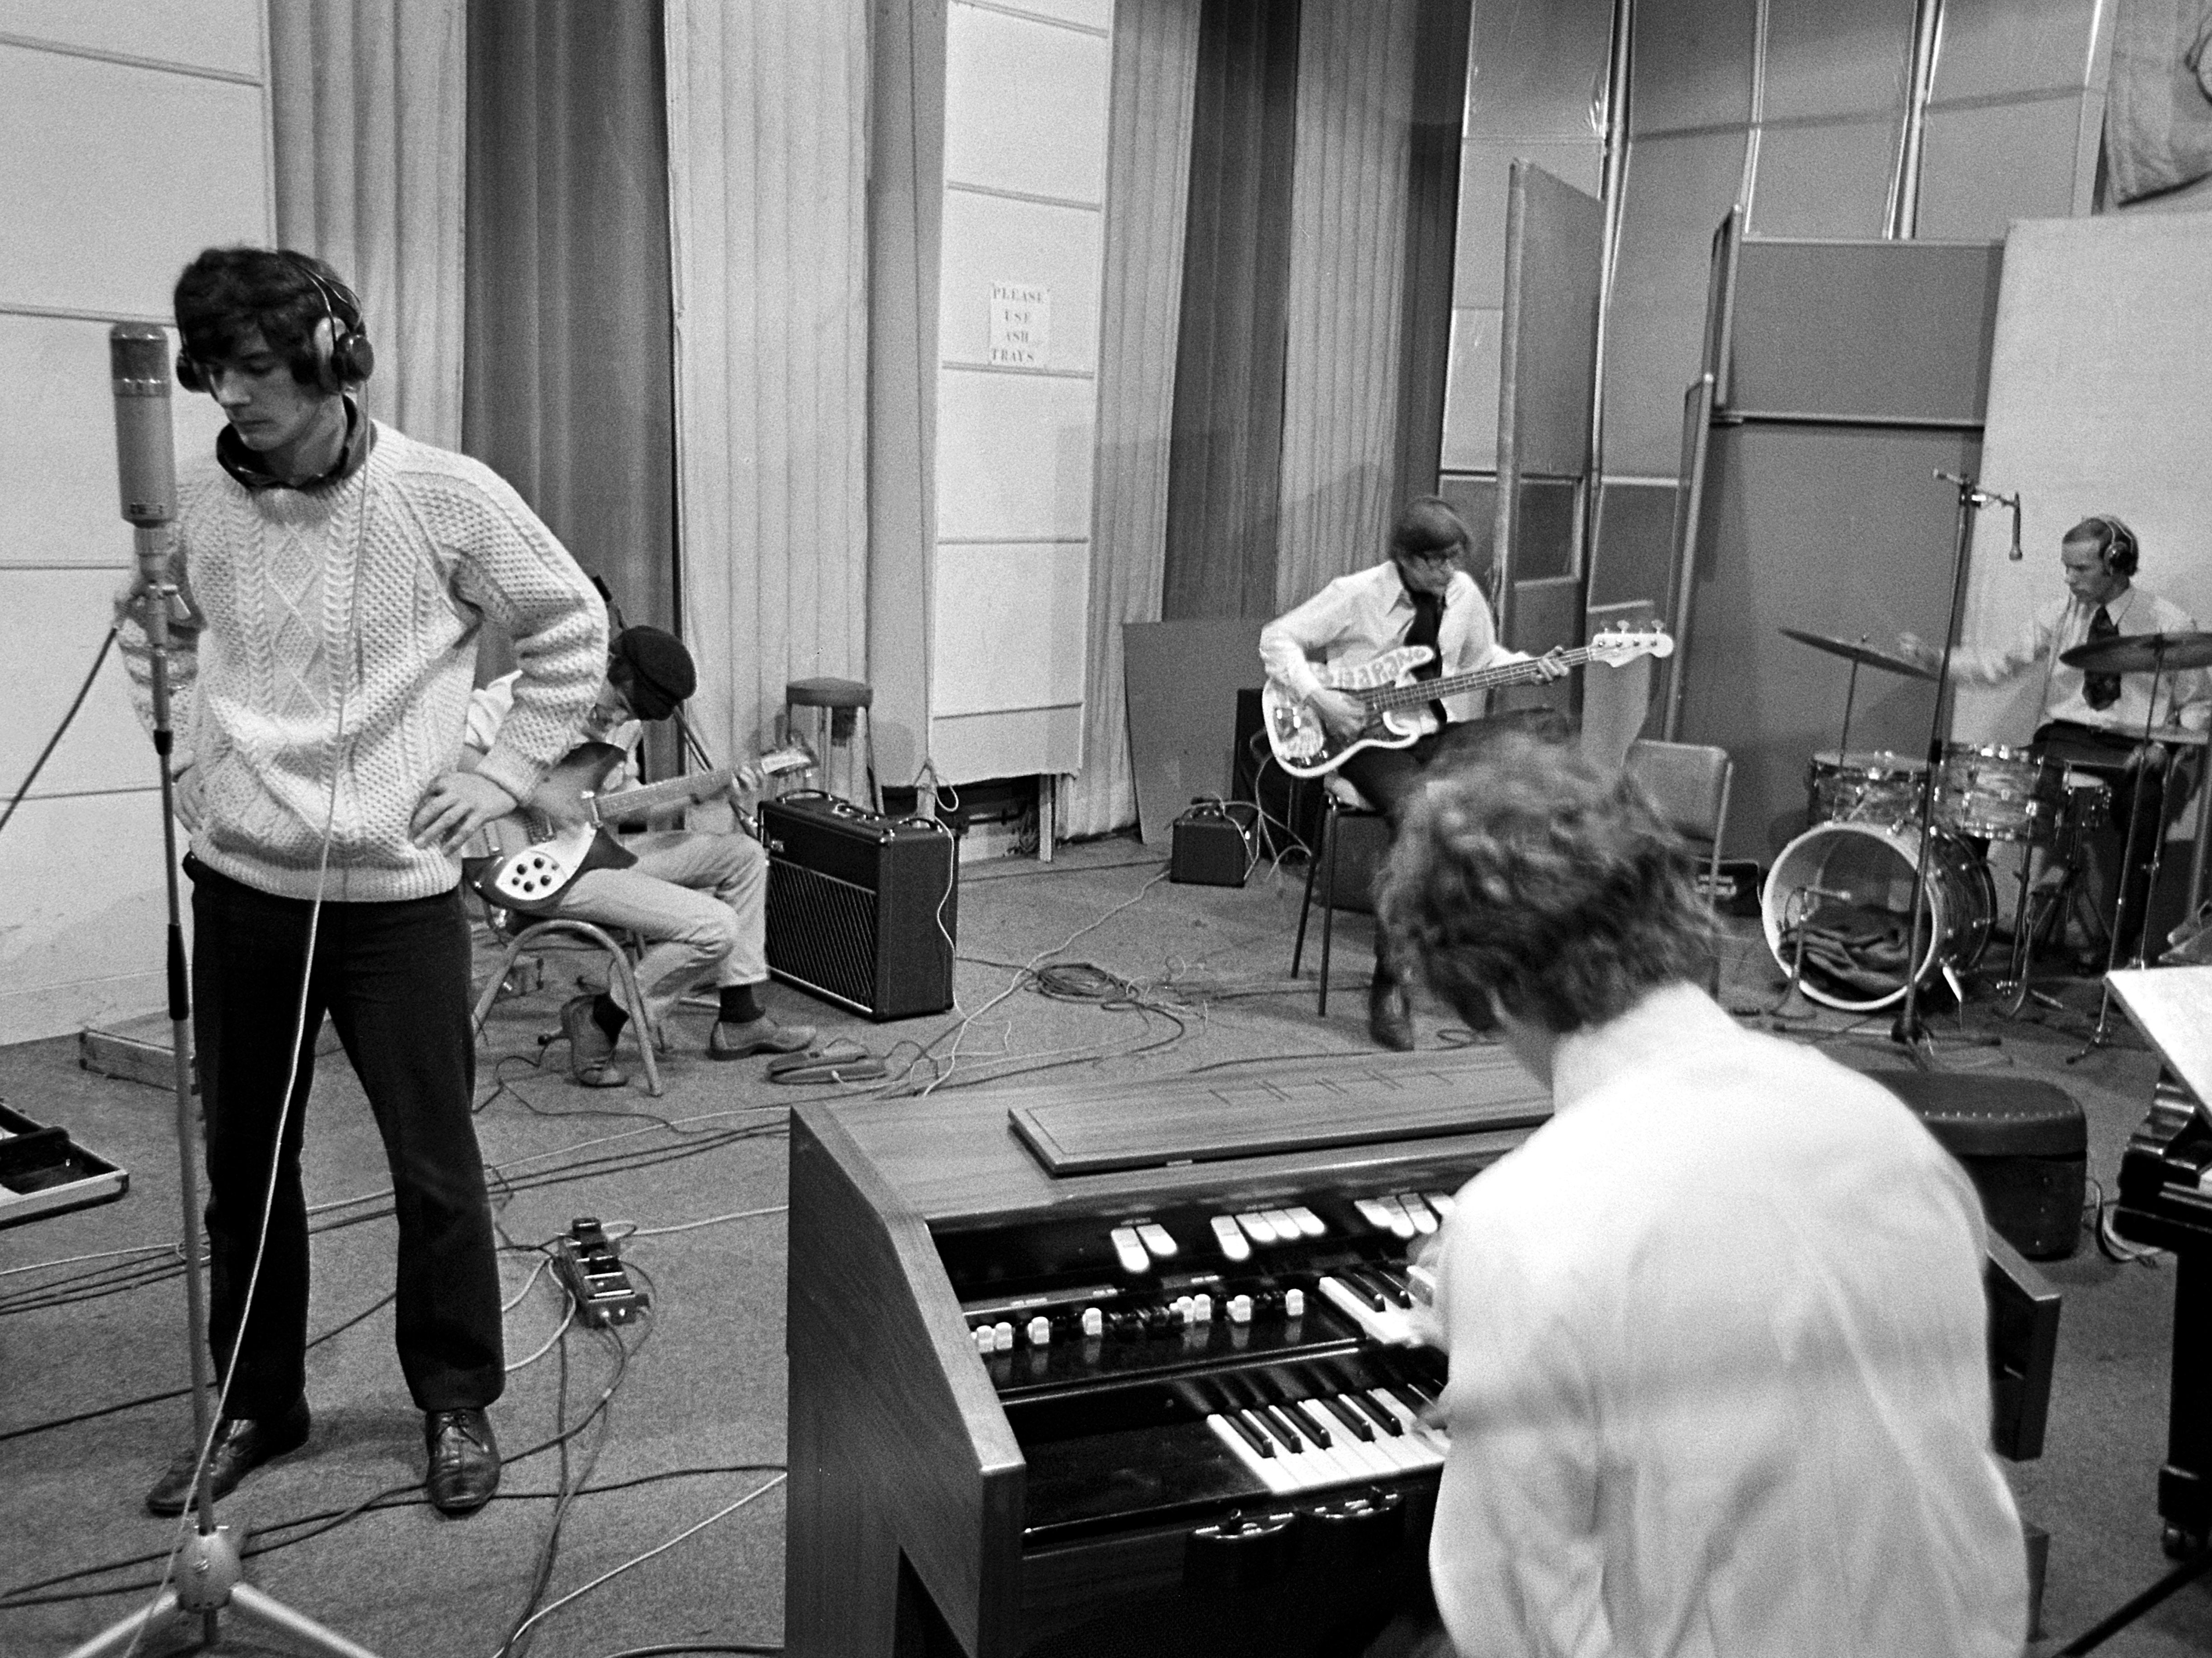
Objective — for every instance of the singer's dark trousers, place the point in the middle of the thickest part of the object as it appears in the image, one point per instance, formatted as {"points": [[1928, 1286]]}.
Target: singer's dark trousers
{"points": [[394, 979]]}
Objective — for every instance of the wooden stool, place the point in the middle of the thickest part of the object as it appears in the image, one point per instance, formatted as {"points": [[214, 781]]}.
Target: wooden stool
{"points": [[842, 703]]}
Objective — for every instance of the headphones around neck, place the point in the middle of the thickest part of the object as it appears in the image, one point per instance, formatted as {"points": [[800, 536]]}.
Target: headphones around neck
{"points": [[344, 355]]}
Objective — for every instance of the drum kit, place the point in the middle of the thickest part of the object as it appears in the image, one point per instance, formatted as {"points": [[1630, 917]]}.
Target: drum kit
{"points": [[1837, 908]]}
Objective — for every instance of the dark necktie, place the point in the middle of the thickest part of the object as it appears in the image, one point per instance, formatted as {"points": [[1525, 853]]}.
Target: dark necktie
{"points": [[2101, 690], [1428, 622]]}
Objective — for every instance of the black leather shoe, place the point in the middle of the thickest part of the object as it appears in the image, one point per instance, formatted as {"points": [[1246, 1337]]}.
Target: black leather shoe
{"points": [[242, 1443], [464, 1459], [1389, 1019]]}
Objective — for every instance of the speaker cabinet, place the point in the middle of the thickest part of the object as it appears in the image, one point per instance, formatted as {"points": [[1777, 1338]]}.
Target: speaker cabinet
{"points": [[862, 909]]}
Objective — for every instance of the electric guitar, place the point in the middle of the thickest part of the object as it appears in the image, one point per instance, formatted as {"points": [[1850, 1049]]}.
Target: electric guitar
{"points": [[526, 860], [1397, 704]]}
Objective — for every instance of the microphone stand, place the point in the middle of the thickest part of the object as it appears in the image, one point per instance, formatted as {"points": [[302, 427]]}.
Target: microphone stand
{"points": [[204, 1572], [1908, 1032]]}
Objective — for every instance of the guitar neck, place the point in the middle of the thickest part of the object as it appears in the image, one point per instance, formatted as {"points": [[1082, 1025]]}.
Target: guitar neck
{"points": [[1424, 691], [650, 797]]}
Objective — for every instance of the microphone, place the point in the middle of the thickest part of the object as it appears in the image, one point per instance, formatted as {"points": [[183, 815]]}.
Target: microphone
{"points": [[145, 448]]}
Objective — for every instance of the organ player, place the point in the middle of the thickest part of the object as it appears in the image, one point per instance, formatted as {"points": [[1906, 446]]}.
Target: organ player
{"points": [[2094, 722], [1717, 1349]]}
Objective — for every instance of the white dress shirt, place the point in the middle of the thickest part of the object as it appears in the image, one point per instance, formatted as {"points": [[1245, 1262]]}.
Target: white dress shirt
{"points": [[2059, 628], [1718, 1379], [1358, 617]]}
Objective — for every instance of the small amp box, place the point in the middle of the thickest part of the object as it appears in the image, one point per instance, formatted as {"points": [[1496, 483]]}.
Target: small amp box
{"points": [[1211, 848]]}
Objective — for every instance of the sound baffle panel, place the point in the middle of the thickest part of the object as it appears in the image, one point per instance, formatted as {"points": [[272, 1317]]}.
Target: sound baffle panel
{"points": [[1838, 530], [1863, 331]]}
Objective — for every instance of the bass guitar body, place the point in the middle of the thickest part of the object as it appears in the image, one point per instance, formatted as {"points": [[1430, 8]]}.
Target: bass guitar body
{"points": [[1303, 746]]}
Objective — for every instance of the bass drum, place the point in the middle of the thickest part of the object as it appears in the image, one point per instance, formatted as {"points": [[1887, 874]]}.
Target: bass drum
{"points": [[1849, 887]]}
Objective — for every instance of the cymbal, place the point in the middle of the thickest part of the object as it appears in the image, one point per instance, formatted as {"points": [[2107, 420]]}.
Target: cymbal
{"points": [[1857, 651], [2142, 653]]}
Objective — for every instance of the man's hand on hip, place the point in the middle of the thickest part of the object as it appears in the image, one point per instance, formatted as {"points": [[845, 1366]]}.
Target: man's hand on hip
{"points": [[455, 807]]}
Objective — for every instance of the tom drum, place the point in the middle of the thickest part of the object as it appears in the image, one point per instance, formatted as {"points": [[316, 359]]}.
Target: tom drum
{"points": [[1864, 786]]}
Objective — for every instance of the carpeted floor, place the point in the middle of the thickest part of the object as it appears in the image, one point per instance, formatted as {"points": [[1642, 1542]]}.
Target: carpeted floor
{"points": [[92, 1308]]}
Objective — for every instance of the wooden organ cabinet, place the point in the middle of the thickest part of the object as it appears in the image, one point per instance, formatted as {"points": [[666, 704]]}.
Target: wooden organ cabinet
{"points": [[1106, 1370]]}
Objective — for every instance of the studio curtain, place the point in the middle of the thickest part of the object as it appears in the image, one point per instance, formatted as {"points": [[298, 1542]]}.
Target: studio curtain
{"points": [[1147, 182], [1225, 478], [1345, 300], [367, 101], [767, 178], [569, 390]]}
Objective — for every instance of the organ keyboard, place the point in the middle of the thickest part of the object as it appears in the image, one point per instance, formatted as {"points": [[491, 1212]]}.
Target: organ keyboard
{"points": [[1125, 1369]]}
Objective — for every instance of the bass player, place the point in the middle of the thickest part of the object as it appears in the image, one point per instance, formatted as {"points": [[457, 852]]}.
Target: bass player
{"points": [[1421, 594], [697, 900]]}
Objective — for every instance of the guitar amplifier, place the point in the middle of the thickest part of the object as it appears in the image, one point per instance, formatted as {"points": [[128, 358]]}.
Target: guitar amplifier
{"points": [[862, 909]]}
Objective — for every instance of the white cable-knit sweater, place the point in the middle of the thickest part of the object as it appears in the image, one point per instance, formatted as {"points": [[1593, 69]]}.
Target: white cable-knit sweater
{"points": [[335, 638]]}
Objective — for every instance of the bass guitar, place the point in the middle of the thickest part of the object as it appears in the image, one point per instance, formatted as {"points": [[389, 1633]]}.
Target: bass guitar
{"points": [[1397, 704], [525, 860]]}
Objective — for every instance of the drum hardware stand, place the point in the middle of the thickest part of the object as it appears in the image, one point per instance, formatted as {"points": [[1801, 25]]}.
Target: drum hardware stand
{"points": [[203, 1571], [1909, 1033], [2102, 1035], [1794, 1007]]}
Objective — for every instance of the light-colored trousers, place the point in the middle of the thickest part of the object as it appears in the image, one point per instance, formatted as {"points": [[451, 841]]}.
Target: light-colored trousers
{"points": [[697, 900]]}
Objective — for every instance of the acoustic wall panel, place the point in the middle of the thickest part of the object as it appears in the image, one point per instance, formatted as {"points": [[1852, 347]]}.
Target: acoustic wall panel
{"points": [[1029, 104], [1839, 58], [1479, 268], [117, 174], [992, 238], [1829, 179], [1470, 440], [83, 938], [1009, 626], [1885, 329], [1013, 457], [1987, 165], [221, 36], [1993, 49], [1693, 66], [53, 623]]}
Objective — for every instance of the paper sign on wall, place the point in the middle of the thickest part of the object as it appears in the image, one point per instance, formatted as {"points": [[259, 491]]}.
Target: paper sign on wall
{"points": [[1021, 324]]}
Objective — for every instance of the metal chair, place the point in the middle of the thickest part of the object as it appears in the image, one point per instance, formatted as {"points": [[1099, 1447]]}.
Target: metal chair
{"points": [[1689, 783], [568, 931], [1342, 805]]}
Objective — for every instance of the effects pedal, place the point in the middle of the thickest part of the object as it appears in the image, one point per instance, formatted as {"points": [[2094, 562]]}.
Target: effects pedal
{"points": [[585, 1260]]}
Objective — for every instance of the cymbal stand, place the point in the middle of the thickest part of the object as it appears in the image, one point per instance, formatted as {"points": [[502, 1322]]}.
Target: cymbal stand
{"points": [[2102, 1034], [1850, 696], [1909, 1033]]}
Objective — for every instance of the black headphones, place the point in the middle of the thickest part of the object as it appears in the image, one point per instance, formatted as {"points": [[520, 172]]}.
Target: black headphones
{"points": [[343, 354], [2116, 545]]}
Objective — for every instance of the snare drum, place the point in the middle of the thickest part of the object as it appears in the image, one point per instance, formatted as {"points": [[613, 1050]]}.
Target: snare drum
{"points": [[1868, 868], [1864, 786], [1997, 793]]}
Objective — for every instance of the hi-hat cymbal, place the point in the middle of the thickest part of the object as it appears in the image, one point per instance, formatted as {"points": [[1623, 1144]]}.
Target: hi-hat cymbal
{"points": [[2142, 653], [1858, 650]]}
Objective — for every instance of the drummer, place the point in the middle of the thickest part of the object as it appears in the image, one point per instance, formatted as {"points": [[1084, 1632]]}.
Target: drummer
{"points": [[2094, 722]]}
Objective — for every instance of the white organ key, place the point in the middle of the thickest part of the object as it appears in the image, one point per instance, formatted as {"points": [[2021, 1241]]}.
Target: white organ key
{"points": [[1131, 1251], [1311, 1461], [1286, 1228], [1374, 1214], [1434, 1441], [1417, 1212], [1226, 1232], [1157, 1238], [1443, 1202], [1307, 1222], [1349, 1448], [1257, 1227], [1388, 1325], [1267, 1469], [1401, 1223]]}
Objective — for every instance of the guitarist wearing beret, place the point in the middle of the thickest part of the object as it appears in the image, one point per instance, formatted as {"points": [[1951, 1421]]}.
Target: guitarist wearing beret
{"points": [[696, 899]]}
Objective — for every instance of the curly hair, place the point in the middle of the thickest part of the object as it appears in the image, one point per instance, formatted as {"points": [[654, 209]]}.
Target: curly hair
{"points": [[226, 293], [1527, 873]]}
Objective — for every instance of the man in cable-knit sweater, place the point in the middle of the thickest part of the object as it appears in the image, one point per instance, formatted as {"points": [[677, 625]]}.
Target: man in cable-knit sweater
{"points": [[332, 577]]}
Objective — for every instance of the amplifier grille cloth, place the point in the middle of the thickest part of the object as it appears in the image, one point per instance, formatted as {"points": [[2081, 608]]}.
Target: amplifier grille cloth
{"points": [[822, 931]]}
